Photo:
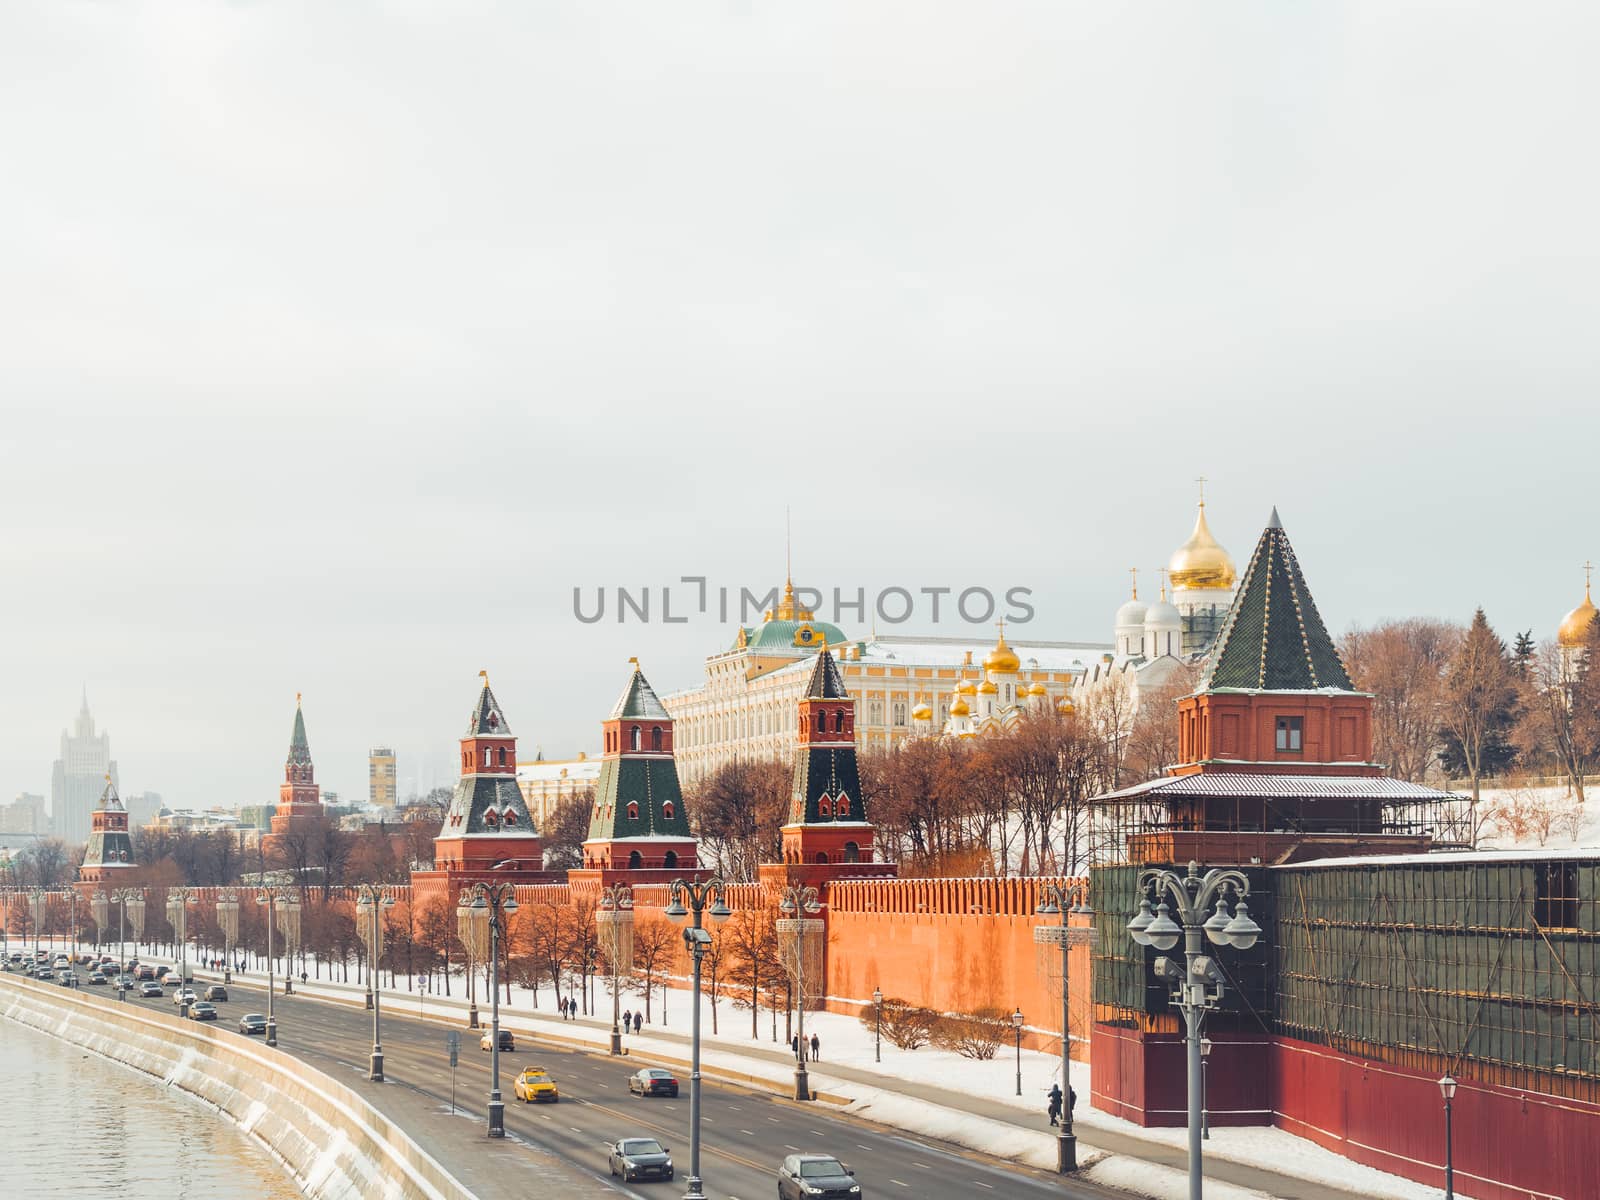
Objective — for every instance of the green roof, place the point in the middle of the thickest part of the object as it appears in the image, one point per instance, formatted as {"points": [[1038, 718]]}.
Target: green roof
{"points": [[780, 635], [299, 748], [1273, 638], [649, 783], [639, 701]]}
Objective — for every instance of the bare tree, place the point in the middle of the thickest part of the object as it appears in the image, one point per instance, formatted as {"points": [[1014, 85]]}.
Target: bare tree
{"points": [[1403, 664], [738, 813], [1479, 698], [654, 942]]}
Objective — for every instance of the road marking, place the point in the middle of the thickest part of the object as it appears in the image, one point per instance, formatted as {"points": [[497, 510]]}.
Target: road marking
{"points": [[982, 1184], [921, 1166], [897, 1183], [748, 1132], [774, 1120], [788, 1147], [859, 1146], [817, 1132]]}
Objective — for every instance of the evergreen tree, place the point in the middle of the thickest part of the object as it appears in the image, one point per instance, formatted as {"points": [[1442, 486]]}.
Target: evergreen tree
{"points": [[1480, 705], [1523, 651]]}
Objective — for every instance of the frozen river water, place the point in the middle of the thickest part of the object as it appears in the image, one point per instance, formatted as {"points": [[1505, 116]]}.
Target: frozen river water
{"points": [[73, 1124]]}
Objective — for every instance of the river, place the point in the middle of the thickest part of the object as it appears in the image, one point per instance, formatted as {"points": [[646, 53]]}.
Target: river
{"points": [[74, 1124]]}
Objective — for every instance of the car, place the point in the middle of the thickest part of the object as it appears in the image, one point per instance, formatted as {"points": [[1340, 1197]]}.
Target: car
{"points": [[507, 1042], [816, 1177], [535, 1084], [201, 1011], [150, 988], [124, 983], [253, 1023], [97, 977], [652, 1081], [216, 992], [67, 978], [184, 996], [43, 973], [145, 973], [61, 962], [85, 960], [163, 971], [639, 1158]]}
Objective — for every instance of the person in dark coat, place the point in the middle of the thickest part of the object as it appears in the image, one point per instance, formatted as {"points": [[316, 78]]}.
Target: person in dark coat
{"points": [[638, 1021], [794, 1044], [1054, 1106], [816, 1048]]}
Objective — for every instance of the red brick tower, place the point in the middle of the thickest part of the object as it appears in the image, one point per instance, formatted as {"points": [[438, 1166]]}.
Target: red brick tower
{"points": [[109, 856], [299, 808], [487, 828]]}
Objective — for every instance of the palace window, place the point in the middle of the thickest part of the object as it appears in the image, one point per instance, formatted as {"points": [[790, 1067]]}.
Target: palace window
{"points": [[900, 713], [1289, 734], [1555, 904]]}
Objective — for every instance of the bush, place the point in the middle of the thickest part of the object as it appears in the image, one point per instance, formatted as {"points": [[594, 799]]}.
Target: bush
{"points": [[973, 1035], [904, 1024]]}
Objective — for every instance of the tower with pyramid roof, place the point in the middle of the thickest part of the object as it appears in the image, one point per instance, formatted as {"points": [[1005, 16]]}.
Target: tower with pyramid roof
{"points": [[109, 856], [299, 810], [487, 829], [639, 828]]}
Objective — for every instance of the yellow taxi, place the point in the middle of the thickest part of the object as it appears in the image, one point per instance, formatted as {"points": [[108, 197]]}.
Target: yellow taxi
{"points": [[535, 1084]]}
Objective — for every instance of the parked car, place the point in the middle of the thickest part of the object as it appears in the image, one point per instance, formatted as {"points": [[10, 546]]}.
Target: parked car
{"points": [[816, 1177], [640, 1158], [217, 992], [150, 988], [535, 1084], [652, 1081], [507, 1042], [253, 1023], [201, 1011]]}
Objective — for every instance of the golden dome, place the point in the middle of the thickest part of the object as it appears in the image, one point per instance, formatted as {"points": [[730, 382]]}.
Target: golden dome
{"points": [[966, 688], [922, 713], [1002, 659], [1201, 562], [1064, 707], [988, 688], [1038, 689], [1574, 629], [959, 708]]}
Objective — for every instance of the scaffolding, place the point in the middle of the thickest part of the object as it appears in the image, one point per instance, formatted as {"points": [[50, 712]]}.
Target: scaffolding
{"points": [[1448, 961]]}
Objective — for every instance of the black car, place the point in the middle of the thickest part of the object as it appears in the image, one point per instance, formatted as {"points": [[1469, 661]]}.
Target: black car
{"points": [[640, 1158], [150, 988], [97, 977], [163, 971], [816, 1177], [216, 992], [652, 1081], [252, 1023]]}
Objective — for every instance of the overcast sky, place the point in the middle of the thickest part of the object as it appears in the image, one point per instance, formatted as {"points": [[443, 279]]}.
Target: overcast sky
{"points": [[342, 341]]}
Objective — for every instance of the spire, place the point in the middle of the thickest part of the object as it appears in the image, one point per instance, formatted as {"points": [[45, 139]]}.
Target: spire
{"points": [[1273, 638], [826, 683], [109, 799], [299, 748], [1273, 522], [638, 700], [487, 719], [1134, 572]]}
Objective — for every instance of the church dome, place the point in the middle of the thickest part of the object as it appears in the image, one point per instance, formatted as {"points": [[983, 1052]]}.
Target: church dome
{"points": [[1575, 625], [1002, 659], [966, 688], [1163, 614], [1131, 613], [922, 713], [1038, 689], [1064, 706], [1201, 562], [988, 688], [959, 708]]}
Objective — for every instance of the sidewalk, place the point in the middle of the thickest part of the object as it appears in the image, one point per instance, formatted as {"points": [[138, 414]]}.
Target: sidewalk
{"points": [[985, 1117]]}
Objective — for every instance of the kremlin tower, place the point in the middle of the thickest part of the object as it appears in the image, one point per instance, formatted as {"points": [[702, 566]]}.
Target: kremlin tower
{"points": [[640, 828], [487, 830], [299, 798], [109, 857]]}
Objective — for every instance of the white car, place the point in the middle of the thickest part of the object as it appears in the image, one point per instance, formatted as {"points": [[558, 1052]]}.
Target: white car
{"points": [[184, 996]]}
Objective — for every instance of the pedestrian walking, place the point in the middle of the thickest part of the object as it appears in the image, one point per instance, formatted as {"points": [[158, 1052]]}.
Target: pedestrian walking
{"points": [[1072, 1098], [794, 1044], [816, 1049], [1054, 1107], [638, 1021], [627, 1019]]}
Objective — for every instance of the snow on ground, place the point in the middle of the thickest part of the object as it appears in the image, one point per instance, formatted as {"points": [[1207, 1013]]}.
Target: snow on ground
{"points": [[844, 1041], [1534, 817]]}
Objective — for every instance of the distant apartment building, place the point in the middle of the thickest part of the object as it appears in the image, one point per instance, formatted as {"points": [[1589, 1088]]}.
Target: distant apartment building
{"points": [[142, 808], [79, 778], [381, 782], [25, 814]]}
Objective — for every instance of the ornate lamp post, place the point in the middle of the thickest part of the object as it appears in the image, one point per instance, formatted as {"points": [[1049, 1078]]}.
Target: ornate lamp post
{"points": [[1062, 900], [799, 940], [1205, 1089], [614, 919], [1447, 1089], [465, 932], [369, 908], [72, 914], [1197, 985], [491, 904], [705, 900], [178, 901], [36, 902], [99, 912], [276, 901], [877, 1033], [228, 921], [1016, 1024], [130, 902]]}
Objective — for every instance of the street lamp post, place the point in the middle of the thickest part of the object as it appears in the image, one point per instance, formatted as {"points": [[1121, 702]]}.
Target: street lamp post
{"points": [[1205, 1088], [707, 900], [1016, 1023], [228, 920], [271, 899], [491, 904], [1197, 985], [614, 922], [72, 915], [1447, 1089], [178, 901], [36, 903], [466, 935], [373, 900], [126, 898], [1063, 900], [877, 1032], [797, 928]]}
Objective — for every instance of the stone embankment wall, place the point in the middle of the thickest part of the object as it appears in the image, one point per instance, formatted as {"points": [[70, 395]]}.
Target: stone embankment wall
{"points": [[334, 1144]]}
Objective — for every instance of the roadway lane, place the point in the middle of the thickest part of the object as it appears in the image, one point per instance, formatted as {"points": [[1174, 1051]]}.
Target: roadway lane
{"points": [[745, 1134]]}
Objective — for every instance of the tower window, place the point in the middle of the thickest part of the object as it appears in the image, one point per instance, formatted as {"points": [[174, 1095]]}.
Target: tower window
{"points": [[667, 810], [1555, 904], [511, 817], [825, 807], [655, 737], [1289, 734], [633, 811], [843, 807], [635, 737], [502, 756]]}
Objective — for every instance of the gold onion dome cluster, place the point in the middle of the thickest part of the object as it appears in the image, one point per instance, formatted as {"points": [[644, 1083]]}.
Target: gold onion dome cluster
{"points": [[922, 712], [1201, 562], [1575, 625], [1002, 658]]}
